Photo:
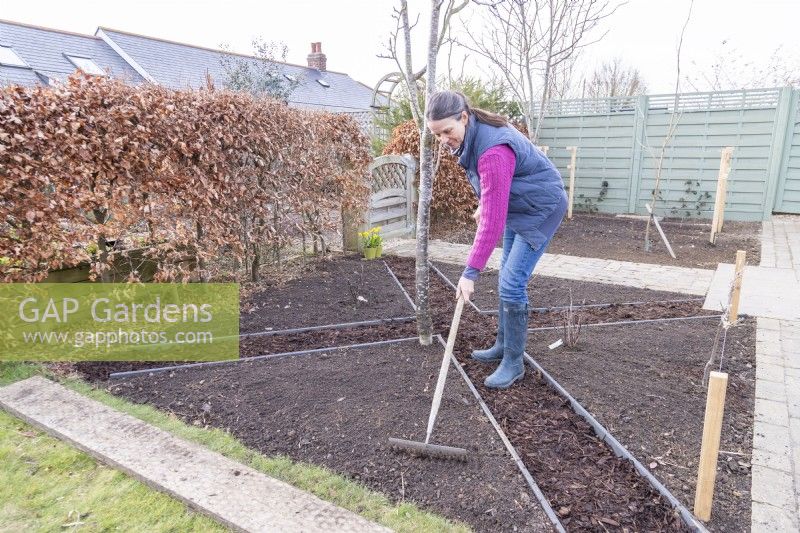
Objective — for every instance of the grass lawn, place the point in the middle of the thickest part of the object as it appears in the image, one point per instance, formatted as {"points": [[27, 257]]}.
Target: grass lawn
{"points": [[48, 485]]}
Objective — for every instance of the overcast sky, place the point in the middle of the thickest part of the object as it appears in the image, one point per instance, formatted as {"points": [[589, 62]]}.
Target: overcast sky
{"points": [[644, 33]]}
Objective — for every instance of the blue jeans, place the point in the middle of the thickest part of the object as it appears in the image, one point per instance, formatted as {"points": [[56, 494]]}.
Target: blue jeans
{"points": [[516, 266]]}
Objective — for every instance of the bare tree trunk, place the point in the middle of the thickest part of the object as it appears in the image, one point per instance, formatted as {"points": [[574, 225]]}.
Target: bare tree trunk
{"points": [[201, 262], [424, 320], [256, 264], [673, 124]]}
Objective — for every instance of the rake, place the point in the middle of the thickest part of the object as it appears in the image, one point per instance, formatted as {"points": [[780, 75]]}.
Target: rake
{"points": [[426, 448]]}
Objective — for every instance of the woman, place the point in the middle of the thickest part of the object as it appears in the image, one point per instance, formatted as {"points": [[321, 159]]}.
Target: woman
{"points": [[518, 188]]}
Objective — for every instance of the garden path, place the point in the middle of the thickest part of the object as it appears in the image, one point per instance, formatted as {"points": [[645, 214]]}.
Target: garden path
{"points": [[234, 494]]}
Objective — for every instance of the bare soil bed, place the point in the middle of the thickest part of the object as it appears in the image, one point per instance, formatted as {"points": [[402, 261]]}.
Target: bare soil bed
{"points": [[346, 289], [609, 237], [586, 484], [643, 382], [338, 409], [548, 291]]}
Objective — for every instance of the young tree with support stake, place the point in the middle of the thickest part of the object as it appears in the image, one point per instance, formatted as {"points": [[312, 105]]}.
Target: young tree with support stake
{"points": [[436, 36], [530, 41]]}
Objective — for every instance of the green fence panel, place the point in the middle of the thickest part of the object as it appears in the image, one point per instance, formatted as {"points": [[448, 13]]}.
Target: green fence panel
{"points": [[621, 145], [788, 194]]}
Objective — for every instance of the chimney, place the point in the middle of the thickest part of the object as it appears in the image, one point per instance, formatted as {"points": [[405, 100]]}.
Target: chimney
{"points": [[316, 59]]}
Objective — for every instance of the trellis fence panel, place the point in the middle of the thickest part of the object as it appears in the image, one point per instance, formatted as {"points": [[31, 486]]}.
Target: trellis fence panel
{"points": [[622, 142]]}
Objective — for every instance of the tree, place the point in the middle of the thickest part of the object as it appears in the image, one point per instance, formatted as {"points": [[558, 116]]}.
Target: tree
{"points": [[613, 78], [436, 37], [674, 118], [528, 41], [491, 96], [730, 70], [260, 74]]}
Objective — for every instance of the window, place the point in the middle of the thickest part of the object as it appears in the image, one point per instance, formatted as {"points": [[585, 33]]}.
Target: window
{"points": [[9, 57], [324, 83], [87, 65], [290, 77]]}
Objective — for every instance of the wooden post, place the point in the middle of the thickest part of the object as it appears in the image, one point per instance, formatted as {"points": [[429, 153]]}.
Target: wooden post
{"points": [[737, 285], [722, 191], [709, 451], [571, 167], [660, 231]]}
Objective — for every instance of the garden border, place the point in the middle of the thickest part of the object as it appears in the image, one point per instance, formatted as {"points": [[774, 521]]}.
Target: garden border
{"points": [[688, 518], [631, 322], [408, 297], [342, 325], [548, 509], [126, 373], [561, 307]]}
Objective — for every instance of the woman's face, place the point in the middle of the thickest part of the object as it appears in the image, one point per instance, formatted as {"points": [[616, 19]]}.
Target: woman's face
{"points": [[450, 130]]}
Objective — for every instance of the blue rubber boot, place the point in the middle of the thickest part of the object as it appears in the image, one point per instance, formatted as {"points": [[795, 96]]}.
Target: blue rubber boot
{"points": [[515, 335], [495, 353]]}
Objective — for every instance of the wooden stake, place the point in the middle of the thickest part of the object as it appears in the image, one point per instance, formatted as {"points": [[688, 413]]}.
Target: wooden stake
{"points": [[571, 167], [741, 255], [722, 191], [660, 231], [709, 451]]}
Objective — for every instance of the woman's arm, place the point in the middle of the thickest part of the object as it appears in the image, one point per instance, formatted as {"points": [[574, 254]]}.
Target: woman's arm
{"points": [[496, 170]]}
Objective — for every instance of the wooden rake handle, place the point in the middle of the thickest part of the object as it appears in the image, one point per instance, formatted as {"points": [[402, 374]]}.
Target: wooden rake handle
{"points": [[448, 352]]}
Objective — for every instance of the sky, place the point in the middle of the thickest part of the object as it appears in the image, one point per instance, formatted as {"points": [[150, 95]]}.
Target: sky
{"points": [[643, 33]]}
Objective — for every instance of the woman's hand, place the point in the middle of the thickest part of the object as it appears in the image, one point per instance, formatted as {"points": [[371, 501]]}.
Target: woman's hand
{"points": [[466, 287], [476, 216]]}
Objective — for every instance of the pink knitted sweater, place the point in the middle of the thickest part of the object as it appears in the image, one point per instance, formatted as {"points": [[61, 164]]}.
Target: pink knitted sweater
{"points": [[496, 169]]}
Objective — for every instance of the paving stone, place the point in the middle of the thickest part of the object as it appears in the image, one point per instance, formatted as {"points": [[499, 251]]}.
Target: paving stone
{"points": [[770, 519], [657, 277], [769, 360], [774, 487], [771, 412], [793, 402], [770, 390], [768, 324], [770, 372], [772, 349], [232, 493], [772, 438], [771, 336], [791, 360], [766, 292], [782, 462]]}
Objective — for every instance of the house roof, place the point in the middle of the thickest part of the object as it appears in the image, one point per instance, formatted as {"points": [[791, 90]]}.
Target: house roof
{"points": [[180, 65], [138, 58], [45, 51]]}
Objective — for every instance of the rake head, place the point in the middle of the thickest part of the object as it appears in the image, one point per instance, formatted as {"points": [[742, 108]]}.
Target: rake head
{"points": [[428, 450]]}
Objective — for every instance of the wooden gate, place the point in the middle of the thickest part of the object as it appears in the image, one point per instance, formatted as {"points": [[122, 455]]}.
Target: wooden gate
{"points": [[393, 197], [392, 204]]}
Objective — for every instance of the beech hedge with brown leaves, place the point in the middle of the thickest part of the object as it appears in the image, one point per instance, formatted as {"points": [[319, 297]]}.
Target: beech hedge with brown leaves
{"points": [[452, 194], [201, 171]]}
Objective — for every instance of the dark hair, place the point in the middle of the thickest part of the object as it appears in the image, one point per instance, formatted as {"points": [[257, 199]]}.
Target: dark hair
{"points": [[446, 104]]}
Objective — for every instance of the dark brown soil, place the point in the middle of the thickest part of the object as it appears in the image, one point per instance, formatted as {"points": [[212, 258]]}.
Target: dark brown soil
{"points": [[583, 480], [590, 488], [327, 294], [610, 237], [643, 382], [548, 291], [340, 415]]}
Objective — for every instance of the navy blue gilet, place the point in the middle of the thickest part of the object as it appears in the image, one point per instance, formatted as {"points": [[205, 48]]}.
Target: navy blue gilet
{"points": [[537, 190]]}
